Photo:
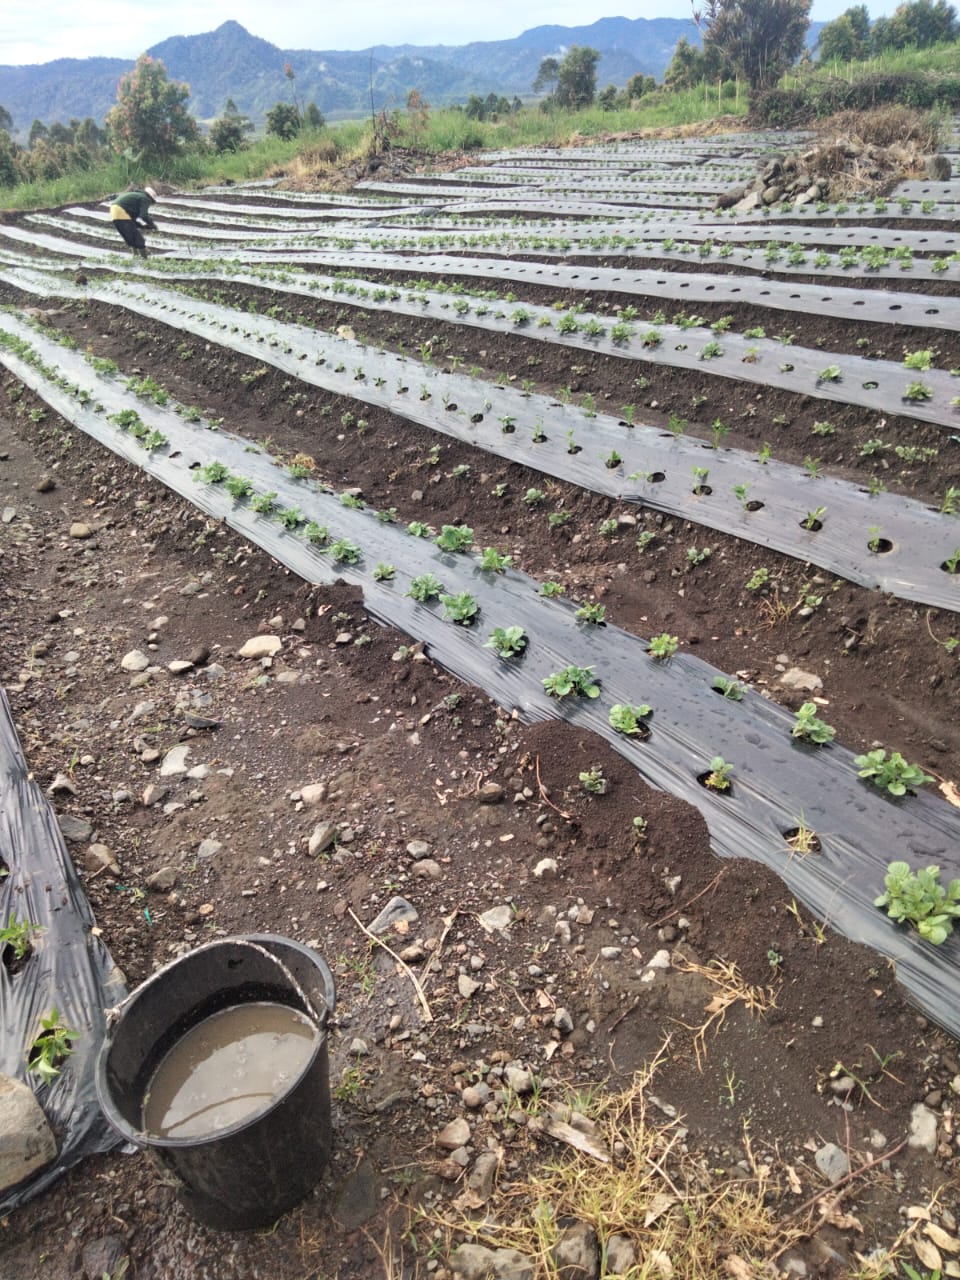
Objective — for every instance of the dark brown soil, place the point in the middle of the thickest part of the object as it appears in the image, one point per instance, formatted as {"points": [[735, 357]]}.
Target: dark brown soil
{"points": [[408, 754]]}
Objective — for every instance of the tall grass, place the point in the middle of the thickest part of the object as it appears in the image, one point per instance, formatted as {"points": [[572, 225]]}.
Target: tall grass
{"points": [[942, 59]]}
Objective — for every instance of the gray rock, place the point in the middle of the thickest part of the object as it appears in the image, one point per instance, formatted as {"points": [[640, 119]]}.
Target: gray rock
{"points": [[481, 1177], [546, 869], [519, 1079], [563, 1022], [923, 1128], [397, 910], [427, 869], [621, 1255], [324, 835], [476, 1095], [577, 1253], [359, 1197], [175, 761], [80, 531], [801, 681], [135, 660], [418, 848], [76, 830], [260, 647], [154, 794], [453, 1135], [313, 793], [102, 1257], [467, 986], [99, 856], [61, 786], [490, 793], [496, 918], [209, 848], [476, 1262], [938, 168], [163, 880], [750, 201], [832, 1162], [26, 1140], [8, 515]]}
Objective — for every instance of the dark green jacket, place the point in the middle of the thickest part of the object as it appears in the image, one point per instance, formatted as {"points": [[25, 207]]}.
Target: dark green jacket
{"points": [[137, 204]]}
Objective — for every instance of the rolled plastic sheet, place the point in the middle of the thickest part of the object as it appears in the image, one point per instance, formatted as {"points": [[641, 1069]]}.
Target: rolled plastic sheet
{"points": [[651, 467], [69, 969], [777, 783]]}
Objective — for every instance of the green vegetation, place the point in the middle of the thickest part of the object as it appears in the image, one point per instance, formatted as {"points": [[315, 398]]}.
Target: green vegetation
{"points": [[894, 774], [921, 900], [576, 680], [52, 1046]]}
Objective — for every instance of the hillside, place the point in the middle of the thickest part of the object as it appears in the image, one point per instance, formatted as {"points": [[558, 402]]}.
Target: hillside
{"points": [[231, 63]]}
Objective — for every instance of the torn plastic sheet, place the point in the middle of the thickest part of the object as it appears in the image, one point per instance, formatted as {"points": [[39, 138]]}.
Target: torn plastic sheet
{"points": [[68, 969], [777, 782], [652, 467]]}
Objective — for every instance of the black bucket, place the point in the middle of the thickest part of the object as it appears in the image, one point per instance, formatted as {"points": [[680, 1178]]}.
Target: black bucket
{"points": [[247, 1175]]}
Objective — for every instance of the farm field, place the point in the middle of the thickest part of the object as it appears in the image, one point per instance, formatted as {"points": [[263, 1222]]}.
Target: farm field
{"points": [[552, 496]]}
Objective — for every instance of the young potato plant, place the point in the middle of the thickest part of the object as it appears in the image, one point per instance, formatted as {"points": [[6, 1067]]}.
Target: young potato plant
{"points": [[718, 776], [894, 774], [572, 680], [921, 900], [461, 607], [628, 719], [493, 561], [345, 552], [454, 537], [810, 728], [51, 1048], [730, 689], [592, 780], [663, 646], [16, 936], [507, 642], [592, 614], [426, 587]]}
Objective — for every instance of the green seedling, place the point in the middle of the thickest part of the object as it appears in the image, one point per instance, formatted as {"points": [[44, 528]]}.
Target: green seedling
{"points": [[921, 360], [419, 529], [663, 646], [718, 778], [644, 539], [317, 534], [210, 472], [345, 552], [534, 496], [731, 689], [557, 519], [592, 780], [461, 607], [920, 899], [507, 642], [593, 614], [551, 589], [572, 680], [811, 729], [51, 1048], [639, 826], [16, 936], [814, 519], [493, 561], [695, 557], [832, 373], [918, 391], [758, 579], [894, 774], [627, 719], [384, 572], [454, 537], [425, 587], [238, 487], [263, 503]]}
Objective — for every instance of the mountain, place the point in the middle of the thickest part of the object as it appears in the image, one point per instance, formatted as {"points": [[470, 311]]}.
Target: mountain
{"points": [[231, 63]]}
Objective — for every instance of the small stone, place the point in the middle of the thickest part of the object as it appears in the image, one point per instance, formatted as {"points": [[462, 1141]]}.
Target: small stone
{"points": [[427, 869], [397, 911], [8, 515], [923, 1128], [80, 531], [324, 835], [313, 793], [260, 647], [563, 1022], [546, 869], [163, 880], [496, 918], [208, 848], [801, 681], [103, 1258], [477, 1262], [179, 666], [76, 830], [476, 1095], [175, 761], [155, 793], [455, 1134], [832, 1162], [490, 793], [467, 986], [100, 856], [61, 786], [519, 1079], [418, 848], [135, 660], [577, 1252], [621, 1255]]}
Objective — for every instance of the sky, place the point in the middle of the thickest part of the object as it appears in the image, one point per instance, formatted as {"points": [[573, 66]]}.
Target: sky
{"points": [[34, 31]]}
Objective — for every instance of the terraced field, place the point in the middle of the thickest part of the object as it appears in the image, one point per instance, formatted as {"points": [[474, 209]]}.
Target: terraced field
{"points": [[600, 534]]}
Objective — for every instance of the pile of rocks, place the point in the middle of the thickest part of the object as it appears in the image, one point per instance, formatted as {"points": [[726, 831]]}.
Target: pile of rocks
{"points": [[832, 171]]}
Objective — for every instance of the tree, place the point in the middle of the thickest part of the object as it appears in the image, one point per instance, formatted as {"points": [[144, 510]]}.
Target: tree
{"points": [[313, 117], [228, 133], [6, 120], [761, 38], [920, 24], [283, 120], [686, 66], [547, 75], [37, 130], [847, 38], [150, 119], [607, 98], [577, 77]]}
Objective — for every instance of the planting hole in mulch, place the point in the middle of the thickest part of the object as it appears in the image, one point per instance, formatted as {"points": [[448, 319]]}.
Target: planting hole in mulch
{"points": [[802, 840], [880, 546]]}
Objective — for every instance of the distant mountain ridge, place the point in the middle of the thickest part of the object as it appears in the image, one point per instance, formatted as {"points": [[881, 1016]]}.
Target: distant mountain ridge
{"points": [[231, 63]]}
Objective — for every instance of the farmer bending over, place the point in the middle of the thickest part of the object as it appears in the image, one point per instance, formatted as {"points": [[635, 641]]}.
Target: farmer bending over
{"points": [[127, 210]]}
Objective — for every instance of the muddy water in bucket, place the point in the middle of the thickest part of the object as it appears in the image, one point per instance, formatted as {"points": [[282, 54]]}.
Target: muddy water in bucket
{"points": [[233, 1172], [227, 1068]]}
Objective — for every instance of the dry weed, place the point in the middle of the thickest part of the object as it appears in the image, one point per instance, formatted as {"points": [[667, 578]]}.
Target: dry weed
{"points": [[731, 989]]}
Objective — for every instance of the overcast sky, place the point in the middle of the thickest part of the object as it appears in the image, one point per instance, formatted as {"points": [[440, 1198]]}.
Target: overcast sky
{"points": [[39, 32]]}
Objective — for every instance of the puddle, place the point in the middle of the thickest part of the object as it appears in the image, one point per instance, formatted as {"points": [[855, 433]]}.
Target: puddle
{"points": [[226, 1068]]}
